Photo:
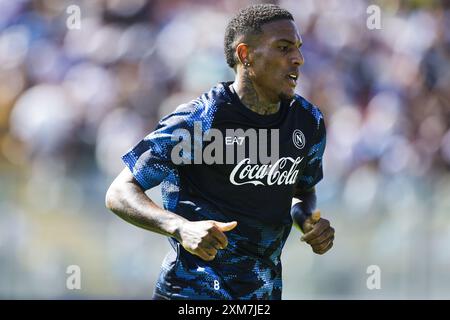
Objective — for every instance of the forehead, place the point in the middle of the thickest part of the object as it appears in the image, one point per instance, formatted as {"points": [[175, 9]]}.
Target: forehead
{"points": [[281, 29]]}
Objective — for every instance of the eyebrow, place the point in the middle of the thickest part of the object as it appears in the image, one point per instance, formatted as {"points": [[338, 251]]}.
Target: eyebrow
{"points": [[289, 41]]}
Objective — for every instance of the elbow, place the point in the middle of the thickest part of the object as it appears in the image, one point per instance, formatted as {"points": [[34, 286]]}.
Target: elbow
{"points": [[119, 191], [111, 197]]}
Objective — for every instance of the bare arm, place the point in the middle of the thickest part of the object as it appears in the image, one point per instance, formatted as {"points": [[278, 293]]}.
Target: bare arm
{"points": [[128, 200]]}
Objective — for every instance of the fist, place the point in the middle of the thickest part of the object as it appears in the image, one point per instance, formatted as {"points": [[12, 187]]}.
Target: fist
{"points": [[204, 238], [318, 233]]}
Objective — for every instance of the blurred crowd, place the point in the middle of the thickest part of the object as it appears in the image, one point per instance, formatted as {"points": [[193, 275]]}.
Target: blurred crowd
{"points": [[73, 100]]}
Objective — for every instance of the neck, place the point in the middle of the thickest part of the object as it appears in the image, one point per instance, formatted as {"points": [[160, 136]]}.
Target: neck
{"points": [[250, 97]]}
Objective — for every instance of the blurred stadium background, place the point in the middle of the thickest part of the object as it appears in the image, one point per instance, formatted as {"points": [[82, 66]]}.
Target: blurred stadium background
{"points": [[73, 101]]}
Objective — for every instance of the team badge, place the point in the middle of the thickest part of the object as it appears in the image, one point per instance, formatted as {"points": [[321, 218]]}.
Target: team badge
{"points": [[299, 139]]}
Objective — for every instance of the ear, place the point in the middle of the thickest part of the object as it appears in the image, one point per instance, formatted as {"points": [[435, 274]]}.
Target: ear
{"points": [[242, 52]]}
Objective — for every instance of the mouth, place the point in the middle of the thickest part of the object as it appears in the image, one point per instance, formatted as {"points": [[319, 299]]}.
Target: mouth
{"points": [[293, 77]]}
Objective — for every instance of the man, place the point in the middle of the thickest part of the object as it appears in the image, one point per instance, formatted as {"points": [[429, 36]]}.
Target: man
{"points": [[227, 221]]}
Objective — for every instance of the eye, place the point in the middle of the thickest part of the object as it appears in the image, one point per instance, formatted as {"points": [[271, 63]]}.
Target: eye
{"points": [[283, 48]]}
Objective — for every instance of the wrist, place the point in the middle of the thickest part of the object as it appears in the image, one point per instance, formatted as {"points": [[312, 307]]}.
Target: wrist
{"points": [[299, 215], [176, 228]]}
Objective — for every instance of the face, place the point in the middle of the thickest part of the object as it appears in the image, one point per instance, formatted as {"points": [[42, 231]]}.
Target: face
{"points": [[275, 59]]}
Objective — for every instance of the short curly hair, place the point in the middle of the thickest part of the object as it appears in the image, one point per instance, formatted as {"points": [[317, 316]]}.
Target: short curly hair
{"points": [[248, 21]]}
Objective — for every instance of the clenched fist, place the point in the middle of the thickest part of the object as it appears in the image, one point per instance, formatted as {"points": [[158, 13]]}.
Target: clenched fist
{"points": [[318, 233], [204, 238]]}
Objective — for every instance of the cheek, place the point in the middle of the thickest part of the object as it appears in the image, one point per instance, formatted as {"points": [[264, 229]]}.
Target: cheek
{"points": [[265, 63], [269, 73]]}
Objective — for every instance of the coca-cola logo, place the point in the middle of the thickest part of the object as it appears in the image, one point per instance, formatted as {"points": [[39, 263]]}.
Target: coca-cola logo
{"points": [[283, 171]]}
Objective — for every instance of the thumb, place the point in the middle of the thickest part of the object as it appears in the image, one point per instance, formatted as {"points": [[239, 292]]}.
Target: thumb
{"points": [[225, 226], [315, 217], [309, 223]]}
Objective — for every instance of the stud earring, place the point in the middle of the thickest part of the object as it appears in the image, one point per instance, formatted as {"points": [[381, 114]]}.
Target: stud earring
{"points": [[246, 64]]}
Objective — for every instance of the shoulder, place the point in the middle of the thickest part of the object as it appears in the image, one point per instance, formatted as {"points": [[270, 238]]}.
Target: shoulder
{"points": [[301, 104], [201, 109]]}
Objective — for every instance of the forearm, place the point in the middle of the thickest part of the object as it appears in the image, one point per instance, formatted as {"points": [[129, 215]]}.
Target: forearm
{"points": [[303, 204], [127, 200]]}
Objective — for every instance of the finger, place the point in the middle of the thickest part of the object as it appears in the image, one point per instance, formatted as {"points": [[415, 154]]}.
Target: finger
{"points": [[320, 241], [213, 242], [210, 251], [330, 245], [225, 226], [316, 231], [323, 237], [205, 254], [322, 245], [220, 237]]}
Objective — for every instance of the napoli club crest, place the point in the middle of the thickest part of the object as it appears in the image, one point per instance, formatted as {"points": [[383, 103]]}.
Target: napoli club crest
{"points": [[299, 139]]}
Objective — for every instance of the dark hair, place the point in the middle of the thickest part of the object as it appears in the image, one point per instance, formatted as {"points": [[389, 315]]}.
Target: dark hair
{"points": [[249, 21]]}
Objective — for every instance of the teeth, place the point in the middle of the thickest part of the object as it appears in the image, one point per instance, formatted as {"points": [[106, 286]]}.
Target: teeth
{"points": [[293, 76]]}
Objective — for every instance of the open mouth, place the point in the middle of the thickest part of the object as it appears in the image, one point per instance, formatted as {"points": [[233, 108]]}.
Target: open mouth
{"points": [[293, 77]]}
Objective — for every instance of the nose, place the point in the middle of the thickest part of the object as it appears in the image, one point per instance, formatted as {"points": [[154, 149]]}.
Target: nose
{"points": [[298, 59]]}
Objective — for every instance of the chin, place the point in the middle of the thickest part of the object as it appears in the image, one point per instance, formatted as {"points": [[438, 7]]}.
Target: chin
{"points": [[287, 95]]}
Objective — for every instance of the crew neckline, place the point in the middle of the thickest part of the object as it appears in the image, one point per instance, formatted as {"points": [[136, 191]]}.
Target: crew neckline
{"points": [[264, 118]]}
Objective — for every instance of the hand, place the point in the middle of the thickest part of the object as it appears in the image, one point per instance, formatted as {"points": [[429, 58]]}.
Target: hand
{"points": [[318, 233], [204, 238]]}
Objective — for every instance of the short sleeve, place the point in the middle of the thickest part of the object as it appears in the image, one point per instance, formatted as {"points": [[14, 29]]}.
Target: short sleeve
{"points": [[150, 160], [313, 171]]}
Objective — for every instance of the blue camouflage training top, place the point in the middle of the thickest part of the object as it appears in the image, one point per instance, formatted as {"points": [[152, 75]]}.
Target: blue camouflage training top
{"points": [[256, 195]]}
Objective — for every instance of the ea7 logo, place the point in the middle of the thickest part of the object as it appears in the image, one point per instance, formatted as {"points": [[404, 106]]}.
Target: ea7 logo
{"points": [[232, 140]]}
